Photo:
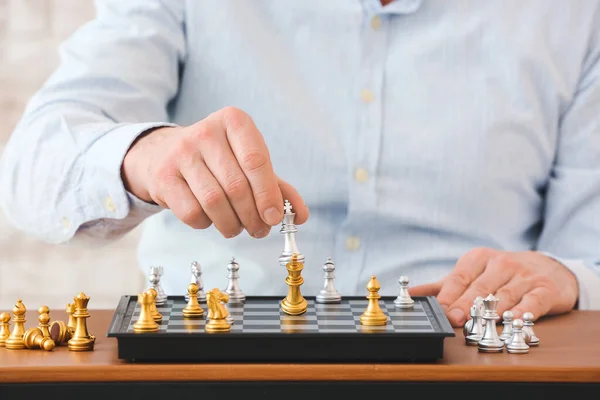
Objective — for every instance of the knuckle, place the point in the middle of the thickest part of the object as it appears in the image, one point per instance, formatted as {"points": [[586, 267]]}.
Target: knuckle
{"points": [[480, 287], [478, 253], [212, 198], [201, 133], [508, 298], [192, 215], [254, 160], [460, 278], [236, 187], [234, 117], [537, 300]]}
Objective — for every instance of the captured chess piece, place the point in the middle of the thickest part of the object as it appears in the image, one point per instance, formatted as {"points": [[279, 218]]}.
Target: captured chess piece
{"points": [[62, 332], [475, 329], [44, 320], [15, 339], [533, 341], [4, 328], [217, 312], [154, 280], [404, 300], [507, 321], [155, 314], [145, 322], [516, 344], [328, 294], [236, 296], [373, 315], [34, 339], [193, 309], [490, 342], [81, 339], [289, 230], [196, 278], [294, 303]]}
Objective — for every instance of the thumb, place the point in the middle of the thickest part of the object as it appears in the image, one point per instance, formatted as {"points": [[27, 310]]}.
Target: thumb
{"points": [[427, 289], [298, 206]]}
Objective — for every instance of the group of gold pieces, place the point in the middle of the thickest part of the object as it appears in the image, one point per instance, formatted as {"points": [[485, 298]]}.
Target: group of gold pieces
{"points": [[46, 336]]}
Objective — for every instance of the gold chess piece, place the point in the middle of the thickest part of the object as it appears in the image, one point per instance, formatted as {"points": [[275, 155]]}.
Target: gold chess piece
{"points": [[373, 315], [217, 312], [294, 303], [62, 332], [81, 339], [34, 339], [4, 327], [145, 322], [15, 340], [193, 309], [155, 314], [44, 320]]}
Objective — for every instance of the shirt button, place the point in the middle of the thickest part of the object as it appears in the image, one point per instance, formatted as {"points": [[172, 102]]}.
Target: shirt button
{"points": [[352, 243], [361, 175], [376, 22], [367, 96], [109, 204]]}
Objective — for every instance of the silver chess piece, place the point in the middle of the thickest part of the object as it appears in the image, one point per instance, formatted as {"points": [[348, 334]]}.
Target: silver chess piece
{"points": [[469, 324], [154, 280], [528, 327], [236, 296], [507, 321], [517, 344], [490, 342], [289, 230], [476, 328], [404, 300], [196, 272], [329, 293]]}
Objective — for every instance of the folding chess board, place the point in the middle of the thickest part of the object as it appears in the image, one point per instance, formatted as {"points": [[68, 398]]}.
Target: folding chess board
{"points": [[261, 332]]}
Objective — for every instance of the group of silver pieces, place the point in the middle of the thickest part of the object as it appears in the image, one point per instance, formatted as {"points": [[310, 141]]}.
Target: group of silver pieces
{"points": [[328, 294], [517, 335]]}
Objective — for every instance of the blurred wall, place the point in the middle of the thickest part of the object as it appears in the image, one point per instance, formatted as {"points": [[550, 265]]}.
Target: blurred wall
{"points": [[30, 32]]}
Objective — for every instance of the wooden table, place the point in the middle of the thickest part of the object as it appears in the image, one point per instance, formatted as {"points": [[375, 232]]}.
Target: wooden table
{"points": [[567, 362]]}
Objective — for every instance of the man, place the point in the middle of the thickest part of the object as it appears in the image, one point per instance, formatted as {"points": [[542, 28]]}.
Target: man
{"points": [[457, 143]]}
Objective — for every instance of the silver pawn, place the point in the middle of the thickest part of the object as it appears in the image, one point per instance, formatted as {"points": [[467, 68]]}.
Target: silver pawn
{"points": [[404, 300], [528, 327], [517, 344], [507, 321], [288, 230], [154, 280], [490, 342], [329, 293], [196, 272], [475, 332], [236, 296]]}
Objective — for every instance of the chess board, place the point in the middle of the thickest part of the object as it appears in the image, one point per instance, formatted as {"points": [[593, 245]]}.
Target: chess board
{"points": [[262, 333]]}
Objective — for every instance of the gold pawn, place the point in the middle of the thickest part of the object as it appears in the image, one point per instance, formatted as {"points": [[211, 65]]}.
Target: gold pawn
{"points": [[373, 315], [44, 320], [15, 340], [70, 310], [145, 322], [62, 332], [294, 303], [81, 340], [155, 314], [34, 339], [193, 309], [4, 327]]}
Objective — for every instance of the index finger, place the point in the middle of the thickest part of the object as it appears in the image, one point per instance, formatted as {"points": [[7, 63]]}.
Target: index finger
{"points": [[251, 152]]}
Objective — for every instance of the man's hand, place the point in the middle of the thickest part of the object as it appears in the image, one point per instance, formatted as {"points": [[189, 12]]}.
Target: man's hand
{"points": [[217, 171], [523, 281]]}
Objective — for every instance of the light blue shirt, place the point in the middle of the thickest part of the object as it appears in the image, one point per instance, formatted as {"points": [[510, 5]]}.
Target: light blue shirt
{"points": [[415, 133]]}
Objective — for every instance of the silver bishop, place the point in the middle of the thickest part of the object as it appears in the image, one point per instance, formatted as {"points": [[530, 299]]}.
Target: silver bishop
{"points": [[236, 296], [329, 293]]}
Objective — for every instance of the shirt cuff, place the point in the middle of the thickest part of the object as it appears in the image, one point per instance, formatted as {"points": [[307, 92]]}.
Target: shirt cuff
{"points": [[587, 279]]}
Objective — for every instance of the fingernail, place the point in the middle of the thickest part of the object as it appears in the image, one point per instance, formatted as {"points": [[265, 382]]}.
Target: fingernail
{"points": [[262, 233], [456, 315], [272, 216]]}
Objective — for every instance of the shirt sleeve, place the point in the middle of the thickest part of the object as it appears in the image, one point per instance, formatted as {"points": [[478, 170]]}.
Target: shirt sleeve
{"points": [[60, 174], [571, 232]]}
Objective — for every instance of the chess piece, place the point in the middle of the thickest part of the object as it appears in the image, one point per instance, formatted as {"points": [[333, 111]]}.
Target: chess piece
{"points": [[62, 332], [145, 322], [70, 310], [4, 328], [475, 328], [44, 320], [289, 230], [157, 316], [469, 324], [34, 339], [404, 300], [516, 343], [81, 339], [328, 294], [217, 312], [154, 280], [294, 303], [373, 315], [196, 272], [236, 296], [193, 309], [507, 321], [15, 339], [490, 342], [528, 327]]}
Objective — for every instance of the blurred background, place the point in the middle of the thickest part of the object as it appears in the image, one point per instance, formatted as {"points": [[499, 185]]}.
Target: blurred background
{"points": [[37, 273]]}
